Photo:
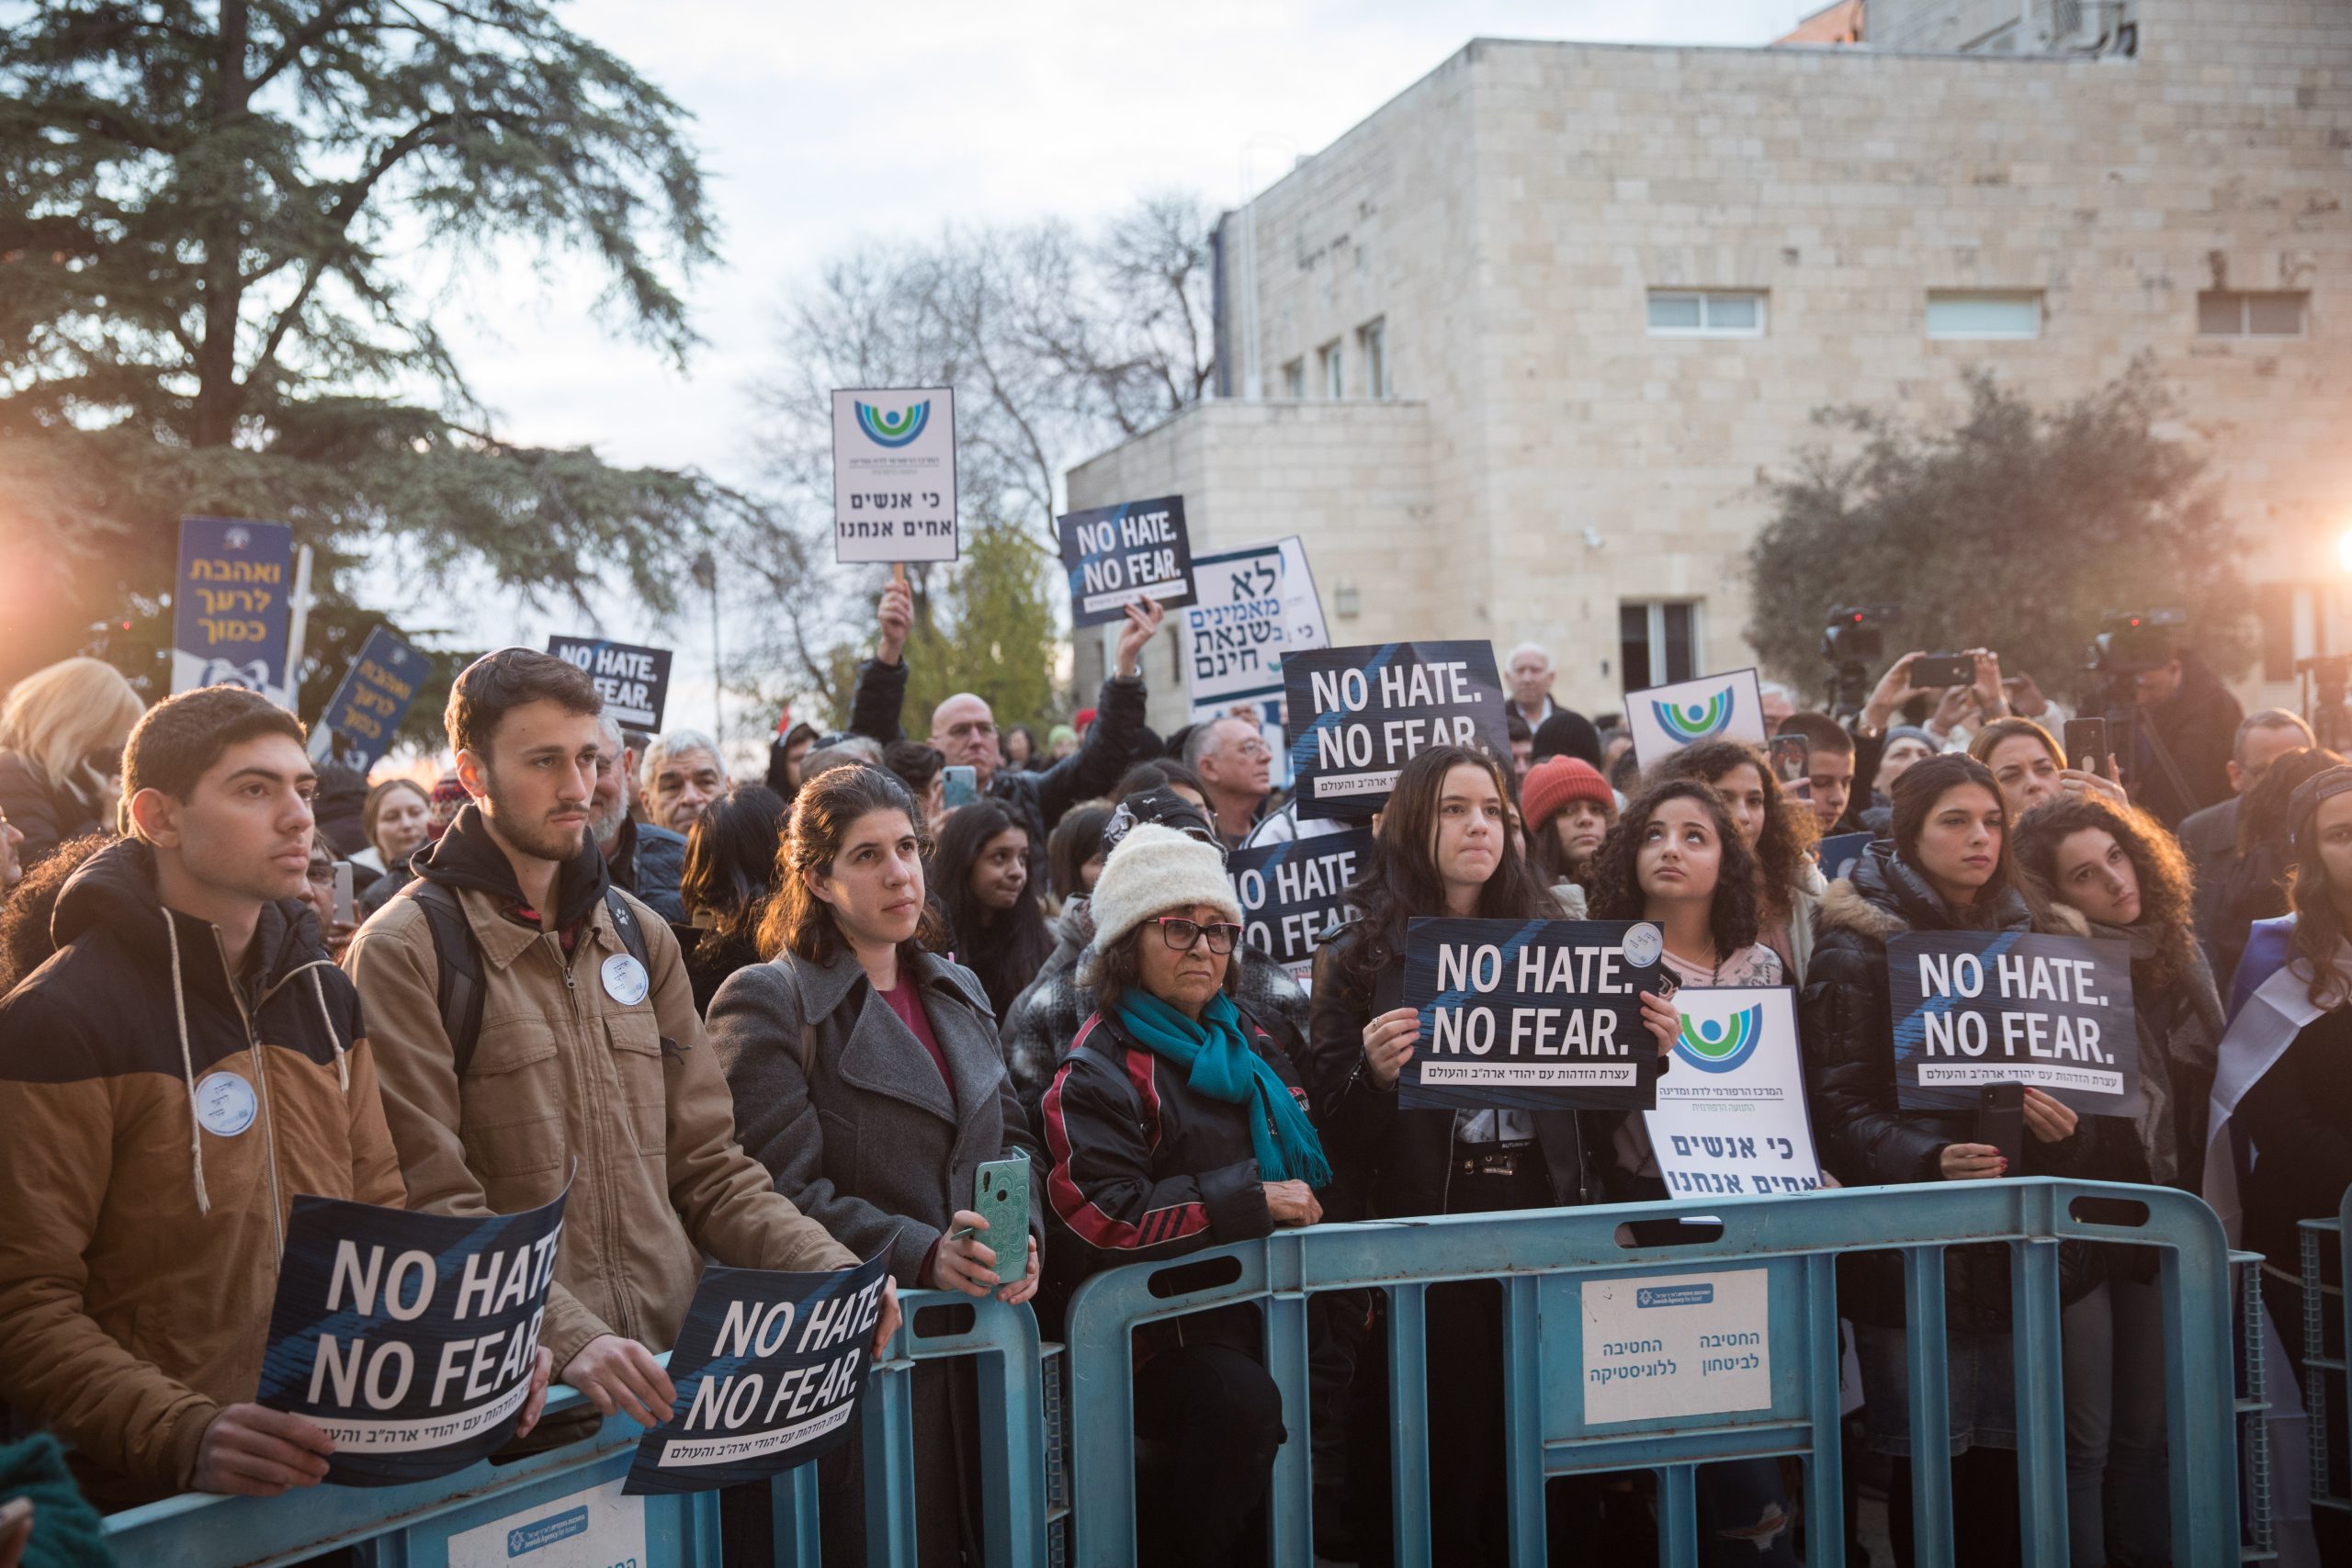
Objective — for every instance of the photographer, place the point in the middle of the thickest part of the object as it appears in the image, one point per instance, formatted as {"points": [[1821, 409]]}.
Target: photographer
{"points": [[2187, 721]]}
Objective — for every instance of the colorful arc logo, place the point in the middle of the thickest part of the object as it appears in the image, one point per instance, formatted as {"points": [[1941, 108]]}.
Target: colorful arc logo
{"points": [[887, 428], [1713, 1047], [1693, 722]]}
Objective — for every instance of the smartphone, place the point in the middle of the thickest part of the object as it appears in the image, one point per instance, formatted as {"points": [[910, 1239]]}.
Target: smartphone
{"points": [[958, 786], [2000, 1119], [2085, 743], [343, 892], [1792, 758], [1001, 1196], [1933, 672]]}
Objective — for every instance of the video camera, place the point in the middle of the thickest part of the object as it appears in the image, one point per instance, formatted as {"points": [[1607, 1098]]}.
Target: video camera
{"points": [[2137, 640], [1854, 642]]}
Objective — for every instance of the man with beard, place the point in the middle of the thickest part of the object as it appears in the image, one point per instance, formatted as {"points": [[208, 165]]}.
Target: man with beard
{"points": [[640, 857], [582, 1060]]}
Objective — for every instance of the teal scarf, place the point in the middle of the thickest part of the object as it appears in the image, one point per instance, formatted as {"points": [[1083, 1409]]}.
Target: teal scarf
{"points": [[1218, 1062]]}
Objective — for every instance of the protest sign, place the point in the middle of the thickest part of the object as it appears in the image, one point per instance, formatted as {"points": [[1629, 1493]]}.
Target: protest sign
{"points": [[634, 682], [409, 1338], [1720, 708], [1302, 626], [1977, 1008], [894, 474], [1837, 853], [1291, 893], [231, 605], [1665, 1344], [1531, 1015], [1116, 555], [768, 1368], [1731, 1116], [1359, 714], [1253, 605], [377, 691]]}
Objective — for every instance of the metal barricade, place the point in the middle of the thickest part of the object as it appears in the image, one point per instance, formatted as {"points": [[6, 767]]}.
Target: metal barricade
{"points": [[490, 1513], [2327, 1394], [1561, 1269]]}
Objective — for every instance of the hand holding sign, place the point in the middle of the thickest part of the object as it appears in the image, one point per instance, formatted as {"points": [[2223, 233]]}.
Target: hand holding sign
{"points": [[896, 619], [1388, 1043], [621, 1375], [1144, 616], [250, 1451]]}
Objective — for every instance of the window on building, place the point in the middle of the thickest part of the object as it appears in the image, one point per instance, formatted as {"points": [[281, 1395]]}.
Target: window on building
{"points": [[1335, 382], [1984, 313], [1372, 342], [1657, 642], [2222, 312], [1294, 379], [2299, 621], [1680, 312]]}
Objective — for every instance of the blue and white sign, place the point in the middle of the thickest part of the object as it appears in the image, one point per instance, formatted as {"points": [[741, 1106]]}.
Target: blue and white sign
{"points": [[1978, 1008], [377, 692], [1838, 853], [1358, 715], [1663, 719], [1731, 1117], [894, 474], [1114, 556], [232, 606], [1666, 1345]]}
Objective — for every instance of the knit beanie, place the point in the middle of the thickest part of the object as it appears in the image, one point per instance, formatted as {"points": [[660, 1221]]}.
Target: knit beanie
{"points": [[1567, 734], [1154, 869], [1549, 785], [1913, 732]]}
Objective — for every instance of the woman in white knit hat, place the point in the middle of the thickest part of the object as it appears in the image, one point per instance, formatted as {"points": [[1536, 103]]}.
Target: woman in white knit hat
{"points": [[1175, 1123]]}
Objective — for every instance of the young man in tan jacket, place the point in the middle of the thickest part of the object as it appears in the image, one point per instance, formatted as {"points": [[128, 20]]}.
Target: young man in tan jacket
{"points": [[587, 1063]]}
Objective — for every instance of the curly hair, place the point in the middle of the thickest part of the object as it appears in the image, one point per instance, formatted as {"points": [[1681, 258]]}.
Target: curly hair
{"points": [[2157, 860], [1782, 848], [827, 809], [1733, 916]]}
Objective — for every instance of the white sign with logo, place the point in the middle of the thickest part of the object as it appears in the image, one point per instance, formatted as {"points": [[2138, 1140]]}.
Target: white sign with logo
{"points": [[894, 474], [1668, 1344], [1718, 708], [585, 1530], [1731, 1116]]}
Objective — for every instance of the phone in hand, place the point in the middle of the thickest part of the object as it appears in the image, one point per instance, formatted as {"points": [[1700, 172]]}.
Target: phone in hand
{"points": [[1001, 1196], [1934, 672], [1792, 758], [2085, 743], [959, 786], [2000, 1119], [343, 909]]}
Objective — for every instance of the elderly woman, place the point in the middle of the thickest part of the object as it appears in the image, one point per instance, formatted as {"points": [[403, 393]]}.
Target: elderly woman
{"points": [[1177, 1124], [867, 1079]]}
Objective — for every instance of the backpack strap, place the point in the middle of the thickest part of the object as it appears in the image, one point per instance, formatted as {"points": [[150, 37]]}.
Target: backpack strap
{"points": [[632, 933], [457, 985]]}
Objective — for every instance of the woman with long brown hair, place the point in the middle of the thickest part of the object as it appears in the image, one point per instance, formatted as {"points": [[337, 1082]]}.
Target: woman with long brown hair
{"points": [[1780, 833]]}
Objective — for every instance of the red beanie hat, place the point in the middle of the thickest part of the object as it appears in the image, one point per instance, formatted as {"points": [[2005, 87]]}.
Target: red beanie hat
{"points": [[1556, 781]]}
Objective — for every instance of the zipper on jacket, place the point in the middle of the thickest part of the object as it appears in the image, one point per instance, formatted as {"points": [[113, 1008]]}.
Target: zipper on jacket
{"points": [[261, 1083], [623, 1302]]}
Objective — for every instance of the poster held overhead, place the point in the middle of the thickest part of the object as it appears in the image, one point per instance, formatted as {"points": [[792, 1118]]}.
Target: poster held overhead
{"points": [[232, 606], [1974, 1009], [1731, 1116], [377, 692], [1665, 719], [1358, 715], [1254, 605], [1531, 1015], [894, 475], [634, 682], [1116, 555]]}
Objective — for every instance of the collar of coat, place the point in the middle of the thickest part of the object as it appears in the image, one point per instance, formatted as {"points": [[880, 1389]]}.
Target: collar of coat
{"points": [[823, 987], [1883, 896], [466, 857]]}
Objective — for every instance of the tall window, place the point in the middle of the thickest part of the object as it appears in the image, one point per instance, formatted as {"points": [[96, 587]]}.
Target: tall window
{"points": [[1657, 642], [1335, 381], [1984, 313], [1372, 342], [1677, 312], [2233, 313], [1294, 379]]}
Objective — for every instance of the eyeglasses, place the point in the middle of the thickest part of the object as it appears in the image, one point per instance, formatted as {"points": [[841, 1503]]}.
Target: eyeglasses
{"points": [[1185, 935]]}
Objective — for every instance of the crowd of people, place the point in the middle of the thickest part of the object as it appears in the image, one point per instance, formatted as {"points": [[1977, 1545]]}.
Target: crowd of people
{"points": [[221, 981]]}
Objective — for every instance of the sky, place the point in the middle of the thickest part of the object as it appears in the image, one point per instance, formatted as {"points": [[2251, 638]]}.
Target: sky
{"points": [[823, 125]]}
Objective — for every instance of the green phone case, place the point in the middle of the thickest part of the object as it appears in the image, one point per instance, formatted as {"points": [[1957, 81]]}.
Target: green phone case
{"points": [[1001, 1196]]}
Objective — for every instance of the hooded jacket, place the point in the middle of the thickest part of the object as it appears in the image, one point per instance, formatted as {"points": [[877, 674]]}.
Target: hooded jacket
{"points": [[2183, 746], [573, 1078], [1864, 1138], [158, 1113], [650, 862]]}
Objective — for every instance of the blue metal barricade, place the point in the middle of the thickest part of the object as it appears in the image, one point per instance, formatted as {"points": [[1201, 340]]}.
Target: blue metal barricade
{"points": [[1768, 1284], [2327, 1394], [490, 1513]]}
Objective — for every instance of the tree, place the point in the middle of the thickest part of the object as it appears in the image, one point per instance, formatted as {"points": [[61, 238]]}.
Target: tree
{"points": [[2014, 529], [1055, 342], [202, 211]]}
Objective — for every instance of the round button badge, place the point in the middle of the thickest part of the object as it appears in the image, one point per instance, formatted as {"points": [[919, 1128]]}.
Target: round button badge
{"points": [[624, 979], [1643, 945], [224, 1104]]}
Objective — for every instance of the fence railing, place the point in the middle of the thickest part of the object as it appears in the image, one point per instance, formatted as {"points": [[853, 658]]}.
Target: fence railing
{"points": [[2328, 1396]]}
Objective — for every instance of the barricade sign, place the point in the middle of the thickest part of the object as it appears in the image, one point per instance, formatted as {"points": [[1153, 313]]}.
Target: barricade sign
{"points": [[1531, 1015], [1731, 1116], [231, 605], [634, 682], [1665, 719], [1837, 853], [358, 727], [1292, 891], [1116, 555], [894, 475], [1359, 714], [1978, 1008]]}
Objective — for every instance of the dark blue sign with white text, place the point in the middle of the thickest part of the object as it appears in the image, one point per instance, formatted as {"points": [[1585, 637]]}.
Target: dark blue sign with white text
{"points": [[377, 691], [1974, 1009], [1358, 715], [1116, 555], [231, 605]]}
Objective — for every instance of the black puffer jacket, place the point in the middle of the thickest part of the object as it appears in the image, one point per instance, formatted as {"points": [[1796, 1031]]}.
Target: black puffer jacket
{"points": [[1864, 1139]]}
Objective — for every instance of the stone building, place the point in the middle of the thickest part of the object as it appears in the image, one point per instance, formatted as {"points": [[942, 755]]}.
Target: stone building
{"points": [[1513, 352]]}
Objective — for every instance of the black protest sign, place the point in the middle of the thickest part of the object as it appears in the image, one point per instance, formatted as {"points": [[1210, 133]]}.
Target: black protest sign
{"points": [[634, 682], [1116, 555], [1531, 1015], [1292, 893], [1358, 715], [409, 1338], [769, 1368], [1978, 1008]]}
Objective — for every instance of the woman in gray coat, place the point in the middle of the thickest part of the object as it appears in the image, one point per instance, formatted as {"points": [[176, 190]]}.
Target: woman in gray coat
{"points": [[866, 1078]]}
